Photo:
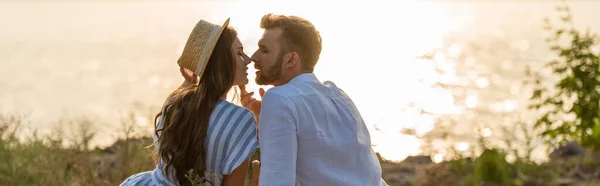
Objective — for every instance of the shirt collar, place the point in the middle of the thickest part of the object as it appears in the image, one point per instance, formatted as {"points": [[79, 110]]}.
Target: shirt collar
{"points": [[304, 77]]}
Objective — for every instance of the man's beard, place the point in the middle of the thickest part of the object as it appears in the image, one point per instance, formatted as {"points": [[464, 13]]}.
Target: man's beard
{"points": [[268, 76]]}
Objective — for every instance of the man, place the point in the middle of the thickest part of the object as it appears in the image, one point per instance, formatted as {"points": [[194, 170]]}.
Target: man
{"points": [[310, 133]]}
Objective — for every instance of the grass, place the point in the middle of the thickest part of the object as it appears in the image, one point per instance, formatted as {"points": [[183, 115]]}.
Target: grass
{"points": [[58, 160]]}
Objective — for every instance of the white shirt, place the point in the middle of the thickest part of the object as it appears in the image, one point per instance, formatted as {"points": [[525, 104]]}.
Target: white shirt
{"points": [[311, 133]]}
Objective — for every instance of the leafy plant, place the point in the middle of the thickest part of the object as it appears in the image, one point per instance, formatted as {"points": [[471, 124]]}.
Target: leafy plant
{"points": [[491, 167], [571, 109]]}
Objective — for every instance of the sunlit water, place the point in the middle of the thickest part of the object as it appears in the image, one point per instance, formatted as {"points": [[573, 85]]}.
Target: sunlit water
{"points": [[66, 59]]}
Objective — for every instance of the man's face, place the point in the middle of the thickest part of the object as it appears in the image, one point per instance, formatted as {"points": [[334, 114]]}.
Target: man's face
{"points": [[268, 59]]}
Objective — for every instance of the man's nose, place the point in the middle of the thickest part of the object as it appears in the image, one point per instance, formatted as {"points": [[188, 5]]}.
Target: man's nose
{"points": [[253, 58]]}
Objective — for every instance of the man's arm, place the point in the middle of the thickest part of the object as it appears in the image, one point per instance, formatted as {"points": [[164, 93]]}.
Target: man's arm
{"points": [[278, 141]]}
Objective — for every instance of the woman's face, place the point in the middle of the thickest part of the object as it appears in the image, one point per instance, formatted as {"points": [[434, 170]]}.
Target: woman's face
{"points": [[241, 63]]}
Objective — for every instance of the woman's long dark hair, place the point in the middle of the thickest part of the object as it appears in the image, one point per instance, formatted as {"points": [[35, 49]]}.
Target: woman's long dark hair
{"points": [[187, 112]]}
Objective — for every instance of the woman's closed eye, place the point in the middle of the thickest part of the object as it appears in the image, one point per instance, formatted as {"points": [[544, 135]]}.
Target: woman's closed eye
{"points": [[243, 56]]}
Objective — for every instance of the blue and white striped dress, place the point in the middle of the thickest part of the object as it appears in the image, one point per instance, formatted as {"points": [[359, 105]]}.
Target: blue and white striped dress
{"points": [[230, 141]]}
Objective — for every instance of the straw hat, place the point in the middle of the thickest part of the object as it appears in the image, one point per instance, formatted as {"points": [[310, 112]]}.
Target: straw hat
{"points": [[200, 46]]}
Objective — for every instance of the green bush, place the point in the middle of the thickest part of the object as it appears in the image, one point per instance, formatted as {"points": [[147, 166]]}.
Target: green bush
{"points": [[491, 167], [571, 107], [48, 161]]}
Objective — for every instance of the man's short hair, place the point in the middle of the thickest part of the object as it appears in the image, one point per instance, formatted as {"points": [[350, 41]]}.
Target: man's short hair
{"points": [[298, 35]]}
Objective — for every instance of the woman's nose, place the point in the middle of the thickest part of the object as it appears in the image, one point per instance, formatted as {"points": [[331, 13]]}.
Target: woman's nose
{"points": [[247, 59]]}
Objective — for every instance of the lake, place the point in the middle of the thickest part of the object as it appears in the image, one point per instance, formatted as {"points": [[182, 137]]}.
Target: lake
{"points": [[104, 59]]}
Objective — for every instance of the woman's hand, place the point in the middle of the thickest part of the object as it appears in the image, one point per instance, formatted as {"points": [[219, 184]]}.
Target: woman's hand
{"points": [[249, 102], [190, 77]]}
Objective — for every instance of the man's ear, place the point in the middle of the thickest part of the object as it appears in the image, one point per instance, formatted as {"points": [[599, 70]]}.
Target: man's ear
{"points": [[291, 59]]}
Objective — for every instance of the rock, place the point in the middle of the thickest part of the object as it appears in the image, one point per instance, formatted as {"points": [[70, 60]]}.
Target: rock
{"points": [[419, 160], [565, 181], [436, 174], [491, 184], [110, 150], [533, 183], [404, 173], [398, 174], [572, 149]]}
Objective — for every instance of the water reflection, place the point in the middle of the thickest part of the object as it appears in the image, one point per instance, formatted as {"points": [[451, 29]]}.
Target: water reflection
{"points": [[472, 74]]}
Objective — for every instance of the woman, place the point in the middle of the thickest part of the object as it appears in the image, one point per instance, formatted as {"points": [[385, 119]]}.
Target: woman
{"points": [[197, 129]]}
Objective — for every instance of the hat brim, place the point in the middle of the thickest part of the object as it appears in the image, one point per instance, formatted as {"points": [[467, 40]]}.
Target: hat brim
{"points": [[207, 52], [196, 60]]}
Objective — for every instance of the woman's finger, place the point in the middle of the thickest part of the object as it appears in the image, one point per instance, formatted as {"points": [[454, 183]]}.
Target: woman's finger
{"points": [[247, 95], [243, 90], [247, 102]]}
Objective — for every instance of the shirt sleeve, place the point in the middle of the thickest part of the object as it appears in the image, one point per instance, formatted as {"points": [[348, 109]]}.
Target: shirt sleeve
{"points": [[278, 141], [242, 144]]}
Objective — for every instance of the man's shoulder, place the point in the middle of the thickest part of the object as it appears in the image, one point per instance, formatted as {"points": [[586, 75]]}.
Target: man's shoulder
{"points": [[334, 90], [331, 85], [292, 91], [286, 91]]}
